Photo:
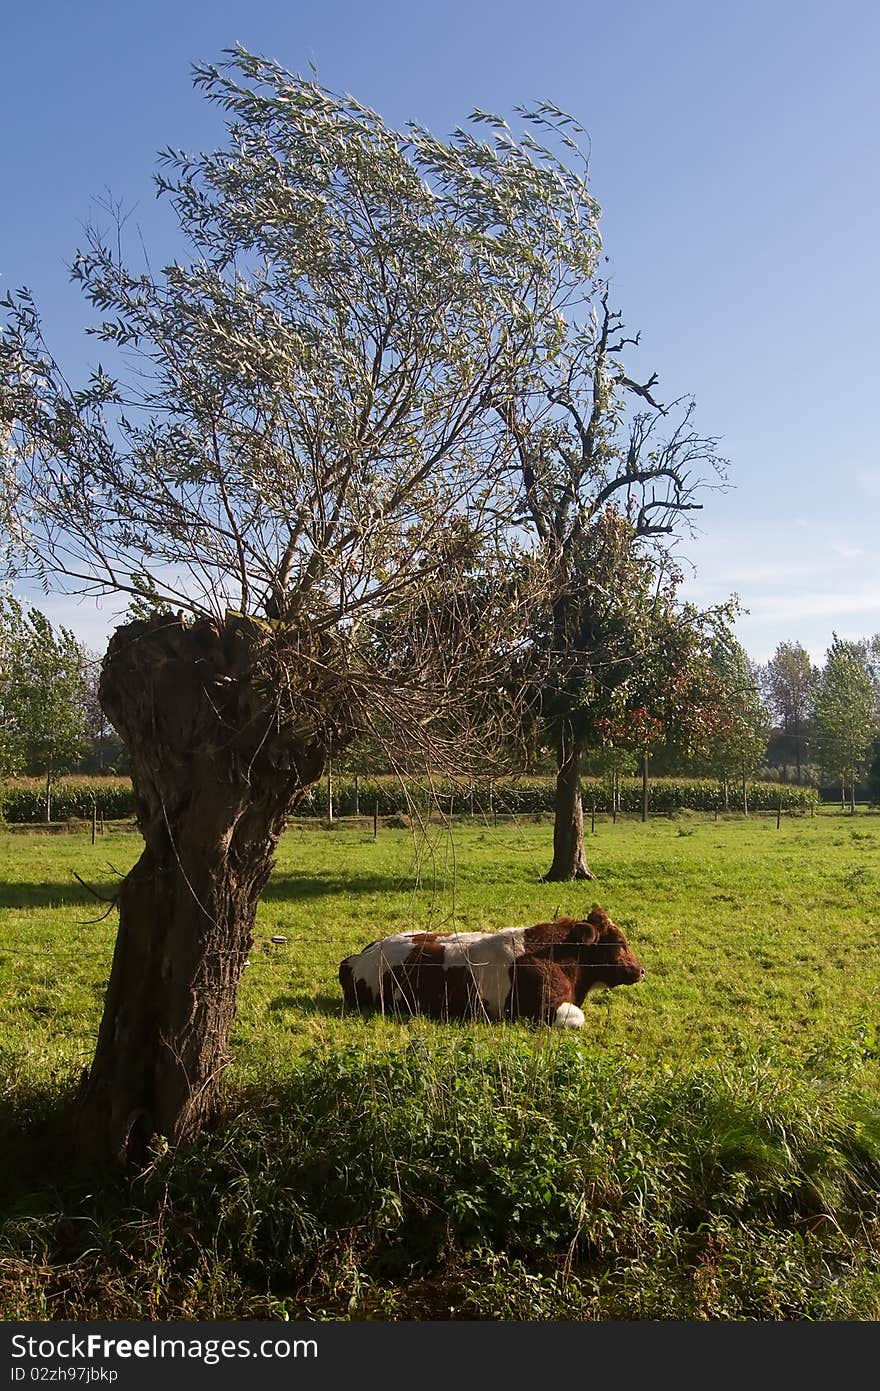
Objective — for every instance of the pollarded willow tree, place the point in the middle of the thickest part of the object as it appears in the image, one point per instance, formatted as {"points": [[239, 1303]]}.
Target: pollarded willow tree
{"points": [[299, 452]]}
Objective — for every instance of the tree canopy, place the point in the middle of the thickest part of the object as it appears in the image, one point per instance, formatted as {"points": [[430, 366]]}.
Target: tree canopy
{"points": [[740, 742], [789, 682], [845, 712], [43, 676], [300, 421]]}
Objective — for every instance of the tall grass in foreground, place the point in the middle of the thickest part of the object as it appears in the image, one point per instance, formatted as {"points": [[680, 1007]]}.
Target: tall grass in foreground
{"points": [[448, 1180]]}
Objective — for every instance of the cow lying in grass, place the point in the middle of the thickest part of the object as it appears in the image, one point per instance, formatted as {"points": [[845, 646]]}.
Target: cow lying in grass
{"points": [[542, 973]]}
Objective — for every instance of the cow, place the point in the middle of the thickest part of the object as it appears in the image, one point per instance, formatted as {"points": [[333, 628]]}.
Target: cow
{"points": [[542, 973]]}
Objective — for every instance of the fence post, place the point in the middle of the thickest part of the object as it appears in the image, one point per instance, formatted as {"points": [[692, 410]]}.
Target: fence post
{"points": [[357, 795], [329, 789], [593, 817], [94, 820], [779, 811], [376, 819]]}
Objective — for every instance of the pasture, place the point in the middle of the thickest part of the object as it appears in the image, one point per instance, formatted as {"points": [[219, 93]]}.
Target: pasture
{"points": [[707, 1147]]}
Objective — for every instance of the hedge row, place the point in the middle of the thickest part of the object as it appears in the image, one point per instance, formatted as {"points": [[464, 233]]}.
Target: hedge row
{"points": [[530, 796], [24, 799]]}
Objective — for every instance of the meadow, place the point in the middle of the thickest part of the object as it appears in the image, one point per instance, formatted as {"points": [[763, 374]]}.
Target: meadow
{"points": [[707, 1147]]}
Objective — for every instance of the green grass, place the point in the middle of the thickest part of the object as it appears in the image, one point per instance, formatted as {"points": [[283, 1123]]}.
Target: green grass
{"points": [[752, 938], [706, 1148]]}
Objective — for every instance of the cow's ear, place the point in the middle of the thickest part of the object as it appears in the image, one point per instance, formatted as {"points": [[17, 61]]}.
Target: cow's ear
{"points": [[588, 930]]}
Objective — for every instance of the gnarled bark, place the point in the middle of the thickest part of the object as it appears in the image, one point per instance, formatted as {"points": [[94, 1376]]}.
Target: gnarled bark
{"points": [[220, 751], [569, 857]]}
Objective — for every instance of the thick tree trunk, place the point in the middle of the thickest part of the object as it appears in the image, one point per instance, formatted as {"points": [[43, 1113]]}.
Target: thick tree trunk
{"points": [[215, 767], [569, 857]]}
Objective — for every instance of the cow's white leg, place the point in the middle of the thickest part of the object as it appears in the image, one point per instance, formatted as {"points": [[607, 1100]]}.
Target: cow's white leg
{"points": [[568, 1017]]}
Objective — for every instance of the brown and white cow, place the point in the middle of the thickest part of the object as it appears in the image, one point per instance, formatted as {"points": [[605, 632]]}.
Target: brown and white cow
{"points": [[542, 972]]}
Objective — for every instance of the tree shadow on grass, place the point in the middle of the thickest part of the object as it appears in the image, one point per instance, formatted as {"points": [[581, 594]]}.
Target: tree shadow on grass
{"points": [[305, 1003], [51, 894], [300, 884], [289, 884], [282, 887], [39, 1171]]}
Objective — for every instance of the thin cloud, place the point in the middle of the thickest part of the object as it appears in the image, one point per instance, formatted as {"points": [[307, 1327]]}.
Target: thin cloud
{"points": [[792, 608], [869, 480], [847, 552], [795, 584]]}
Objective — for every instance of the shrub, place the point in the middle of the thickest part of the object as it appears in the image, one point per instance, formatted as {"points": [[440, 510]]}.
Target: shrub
{"points": [[531, 796], [23, 799]]}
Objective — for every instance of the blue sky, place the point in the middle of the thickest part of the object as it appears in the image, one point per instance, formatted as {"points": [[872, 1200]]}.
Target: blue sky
{"points": [[734, 152]]}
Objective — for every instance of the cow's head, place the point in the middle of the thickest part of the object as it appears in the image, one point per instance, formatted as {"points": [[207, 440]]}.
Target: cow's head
{"points": [[604, 954]]}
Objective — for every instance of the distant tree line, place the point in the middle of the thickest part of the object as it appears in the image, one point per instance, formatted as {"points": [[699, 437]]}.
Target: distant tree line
{"points": [[827, 720], [785, 720]]}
